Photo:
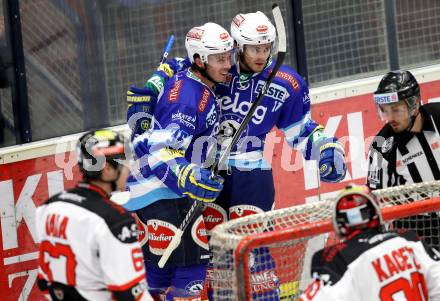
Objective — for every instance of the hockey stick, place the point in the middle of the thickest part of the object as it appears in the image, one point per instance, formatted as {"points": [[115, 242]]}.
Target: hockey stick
{"points": [[122, 197], [197, 206], [167, 49]]}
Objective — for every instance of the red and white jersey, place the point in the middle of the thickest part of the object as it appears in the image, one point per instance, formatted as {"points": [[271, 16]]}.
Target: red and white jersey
{"points": [[90, 244], [375, 266]]}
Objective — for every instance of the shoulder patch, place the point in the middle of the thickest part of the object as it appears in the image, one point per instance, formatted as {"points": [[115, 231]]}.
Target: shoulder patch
{"points": [[126, 231], [173, 94], [289, 78]]}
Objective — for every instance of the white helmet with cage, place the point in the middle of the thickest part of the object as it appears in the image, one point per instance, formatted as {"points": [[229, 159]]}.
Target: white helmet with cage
{"points": [[207, 39], [252, 29]]}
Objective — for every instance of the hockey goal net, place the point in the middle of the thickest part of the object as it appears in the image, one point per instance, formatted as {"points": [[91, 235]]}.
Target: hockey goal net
{"points": [[267, 256]]}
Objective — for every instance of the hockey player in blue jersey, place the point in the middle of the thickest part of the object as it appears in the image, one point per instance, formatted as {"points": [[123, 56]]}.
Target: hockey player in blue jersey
{"points": [[248, 186], [172, 176]]}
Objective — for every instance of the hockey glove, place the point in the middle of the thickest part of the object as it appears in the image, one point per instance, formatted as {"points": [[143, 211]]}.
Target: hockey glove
{"points": [[165, 71], [332, 166], [140, 109], [197, 184]]}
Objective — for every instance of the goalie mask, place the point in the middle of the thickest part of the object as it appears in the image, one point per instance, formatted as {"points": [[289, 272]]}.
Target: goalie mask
{"points": [[207, 39], [398, 86], [252, 29], [356, 208], [97, 147]]}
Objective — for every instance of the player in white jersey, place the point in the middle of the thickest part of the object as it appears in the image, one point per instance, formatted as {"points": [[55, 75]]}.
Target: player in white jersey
{"points": [[407, 149], [88, 247], [370, 263]]}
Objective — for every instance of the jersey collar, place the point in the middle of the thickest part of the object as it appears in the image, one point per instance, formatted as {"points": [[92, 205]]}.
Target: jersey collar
{"points": [[94, 188]]}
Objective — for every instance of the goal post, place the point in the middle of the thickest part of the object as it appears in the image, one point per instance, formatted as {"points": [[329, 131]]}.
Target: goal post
{"points": [[267, 256]]}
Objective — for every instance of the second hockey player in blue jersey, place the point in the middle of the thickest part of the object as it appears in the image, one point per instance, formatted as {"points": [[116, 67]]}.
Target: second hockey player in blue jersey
{"points": [[171, 155]]}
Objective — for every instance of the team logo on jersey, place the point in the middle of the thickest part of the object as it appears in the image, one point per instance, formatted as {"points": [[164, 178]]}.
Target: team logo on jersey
{"points": [[387, 145], [213, 216], [228, 128], [289, 78], [242, 108], [275, 91], [160, 234], [212, 116], [194, 287], [244, 85], [142, 233], [198, 233], [204, 100], [243, 210], [173, 95]]}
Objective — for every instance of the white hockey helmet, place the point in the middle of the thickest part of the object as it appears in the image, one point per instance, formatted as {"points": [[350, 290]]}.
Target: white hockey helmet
{"points": [[252, 29], [207, 39], [355, 208]]}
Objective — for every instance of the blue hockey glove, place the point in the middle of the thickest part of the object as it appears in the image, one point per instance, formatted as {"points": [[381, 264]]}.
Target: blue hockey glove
{"points": [[140, 109], [332, 166], [197, 184]]}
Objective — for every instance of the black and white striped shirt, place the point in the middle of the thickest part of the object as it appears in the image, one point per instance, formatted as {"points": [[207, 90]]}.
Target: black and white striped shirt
{"points": [[404, 158]]}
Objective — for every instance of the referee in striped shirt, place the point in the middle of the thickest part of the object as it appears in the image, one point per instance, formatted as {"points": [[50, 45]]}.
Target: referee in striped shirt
{"points": [[407, 149]]}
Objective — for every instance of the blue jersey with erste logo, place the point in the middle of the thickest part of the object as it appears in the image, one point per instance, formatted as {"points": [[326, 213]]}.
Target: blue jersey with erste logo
{"points": [[285, 105], [185, 120]]}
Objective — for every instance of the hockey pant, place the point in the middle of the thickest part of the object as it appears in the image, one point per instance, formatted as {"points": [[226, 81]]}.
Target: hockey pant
{"points": [[176, 283], [162, 219], [184, 272], [247, 192]]}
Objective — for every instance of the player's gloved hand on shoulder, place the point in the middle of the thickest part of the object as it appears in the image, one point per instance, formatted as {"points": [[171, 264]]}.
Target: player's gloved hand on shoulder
{"points": [[165, 72], [332, 166], [197, 183]]}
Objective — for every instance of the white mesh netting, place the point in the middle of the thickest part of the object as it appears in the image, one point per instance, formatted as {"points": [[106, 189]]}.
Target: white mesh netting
{"points": [[279, 262]]}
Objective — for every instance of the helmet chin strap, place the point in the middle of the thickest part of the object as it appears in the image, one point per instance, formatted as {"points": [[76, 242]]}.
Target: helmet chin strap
{"points": [[411, 123]]}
